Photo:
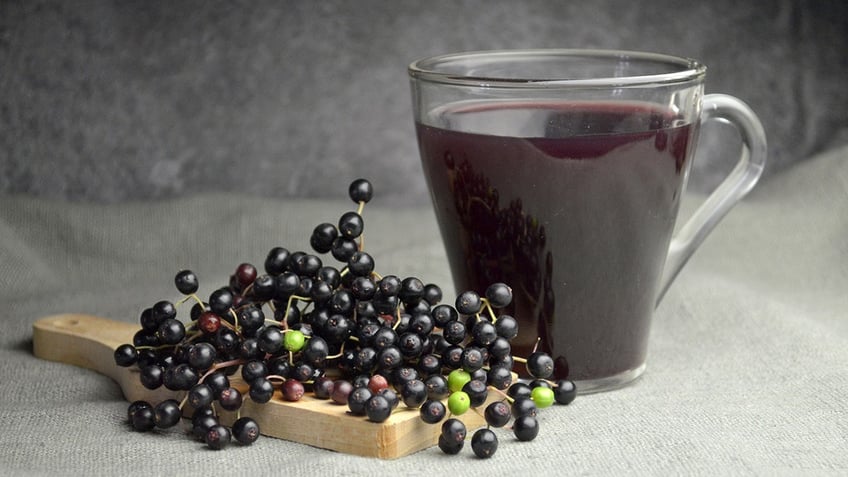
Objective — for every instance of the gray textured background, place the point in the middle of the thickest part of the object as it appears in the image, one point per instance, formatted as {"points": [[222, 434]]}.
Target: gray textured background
{"points": [[110, 101]]}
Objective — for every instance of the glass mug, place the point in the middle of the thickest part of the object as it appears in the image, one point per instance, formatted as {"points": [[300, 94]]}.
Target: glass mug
{"points": [[560, 173]]}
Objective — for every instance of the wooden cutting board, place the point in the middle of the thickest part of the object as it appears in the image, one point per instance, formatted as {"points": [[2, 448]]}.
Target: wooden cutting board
{"points": [[89, 342]]}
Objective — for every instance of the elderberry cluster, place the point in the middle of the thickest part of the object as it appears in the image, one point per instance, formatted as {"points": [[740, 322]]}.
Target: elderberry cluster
{"points": [[340, 332]]}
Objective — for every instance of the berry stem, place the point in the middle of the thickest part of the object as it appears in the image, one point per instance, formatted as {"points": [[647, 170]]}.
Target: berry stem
{"points": [[217, 366], [505, 395], [195, 297], [488, 307]]}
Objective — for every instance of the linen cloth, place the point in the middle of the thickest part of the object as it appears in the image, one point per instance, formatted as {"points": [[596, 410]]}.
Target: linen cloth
{"points": [[747, 370]]}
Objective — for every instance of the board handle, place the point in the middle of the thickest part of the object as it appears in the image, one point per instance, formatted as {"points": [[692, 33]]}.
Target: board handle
{"points": [[89, 342]]}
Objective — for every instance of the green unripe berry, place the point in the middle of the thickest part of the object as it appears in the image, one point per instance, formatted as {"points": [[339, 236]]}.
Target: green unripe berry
{"points": [[294, 340], [458, 403], [457, 379], [542, 396]]}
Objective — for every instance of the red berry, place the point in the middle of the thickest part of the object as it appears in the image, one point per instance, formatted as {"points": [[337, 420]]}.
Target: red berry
{"points": [[377, 382], [209, 322], [292, 390]]}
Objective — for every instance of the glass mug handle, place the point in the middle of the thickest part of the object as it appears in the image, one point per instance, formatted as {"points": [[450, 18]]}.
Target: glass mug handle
{"points": [[738, 183]]}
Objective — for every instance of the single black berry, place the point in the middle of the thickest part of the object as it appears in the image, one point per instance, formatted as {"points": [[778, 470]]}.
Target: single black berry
{"points": [[525, 428], [186, 282], [245, 431], [360, 190], [484, 443], [497, 414], [565, 391]]}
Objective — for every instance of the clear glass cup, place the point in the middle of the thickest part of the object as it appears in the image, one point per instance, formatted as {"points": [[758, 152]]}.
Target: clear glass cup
{"points": [[560, 173]]}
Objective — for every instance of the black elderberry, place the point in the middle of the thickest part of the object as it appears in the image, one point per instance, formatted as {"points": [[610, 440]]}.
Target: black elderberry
{"points": [[307, 265], [384, 338], [186, 282], [341, 390], [565, 391], [411, 290], [201, 356], [499, 295], [218, 437], [360, 191], [180, 377], [429, 364], [264, 287], [377, 408], [506, 326], [321, 292], [472, 359], [497, 414], [454, 432], [167, 414], [452, 357], [134, 407], [285, 285], [390, 285], [277, 260], [432, 411], [245, 431], [477, 392], [261, 390], [422, 324], [454, 332], [432, 294], [200, 395], [171, 331], [253, 369], [523, 406], [322, 237], [342, 302], [143, 419], [525, 428], [413, 393], [201, 423], [151, 376], [437, 387], [443, 313], [343, 248], [351, 225], [250, 317], [391, 397], [270, 339], [448, 446], [221, 301], [126, 355], [484, 443], [315, 351], [468, 303], [363, 288], [303, 372], [540, 365], [230, 399], [322, 387], [218, 381], [148, 321], [163, 310], [357, 399], [329, 275], [499, 377], [226, 341], [361, 264], [484, 333], [389, 359]]}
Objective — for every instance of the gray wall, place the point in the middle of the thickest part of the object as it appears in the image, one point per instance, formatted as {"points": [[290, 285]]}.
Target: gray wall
{"points": [[122, 100]]}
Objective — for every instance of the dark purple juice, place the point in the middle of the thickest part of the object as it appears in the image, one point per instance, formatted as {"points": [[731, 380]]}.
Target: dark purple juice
{"points": [[575, 215]]}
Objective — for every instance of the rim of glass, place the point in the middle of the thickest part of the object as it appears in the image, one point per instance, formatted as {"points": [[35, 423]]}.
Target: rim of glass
{"points": [[432, 69]]}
